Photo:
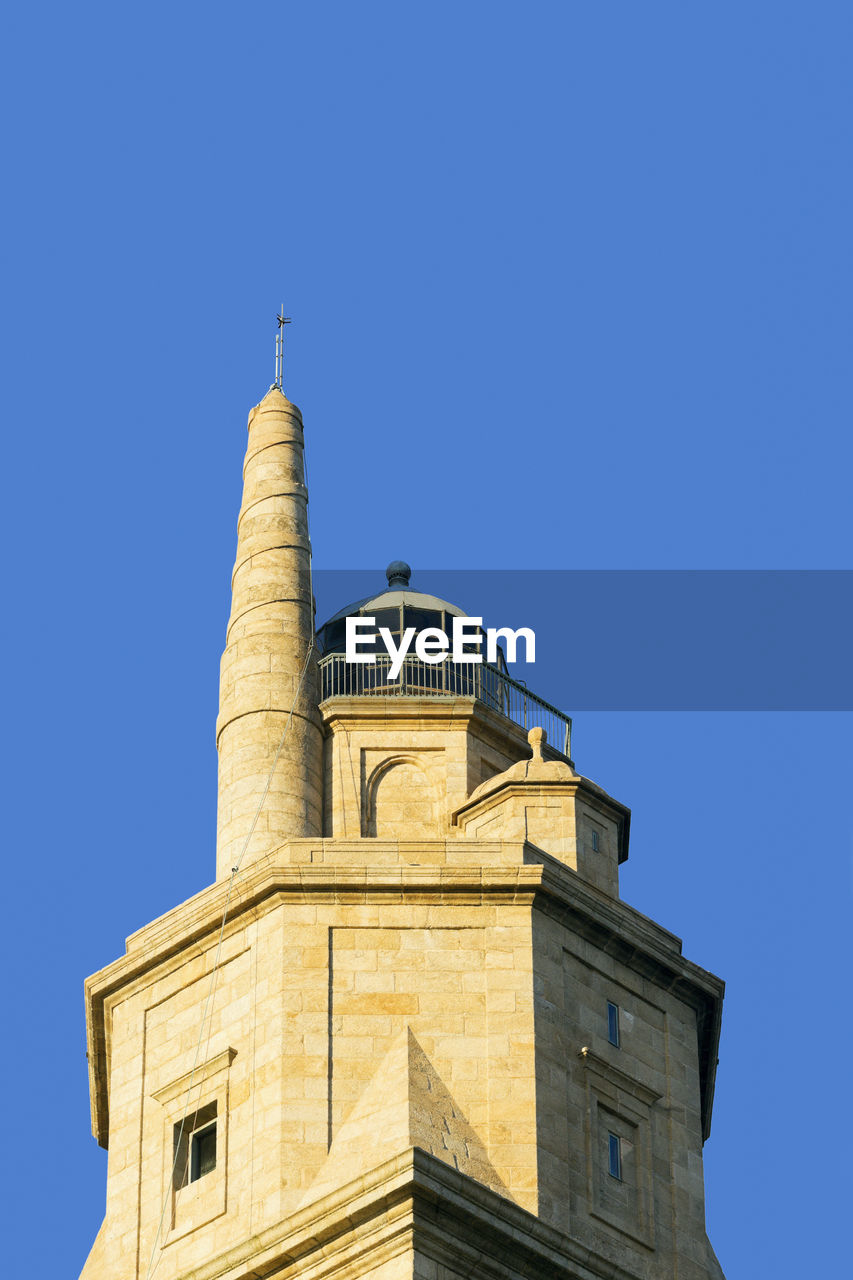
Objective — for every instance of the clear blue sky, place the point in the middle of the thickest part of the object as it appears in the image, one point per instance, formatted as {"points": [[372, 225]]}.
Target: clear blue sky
{"points": [[571, 288]]}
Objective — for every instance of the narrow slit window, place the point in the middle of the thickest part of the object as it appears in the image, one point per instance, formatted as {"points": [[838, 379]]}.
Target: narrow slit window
{"points": [[203, 1156], [613, 1023], [614, 1146], [594, 840]]}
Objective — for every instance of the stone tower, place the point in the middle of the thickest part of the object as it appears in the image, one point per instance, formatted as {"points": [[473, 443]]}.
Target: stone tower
{"points": [[416, 1033], [268, 652]]}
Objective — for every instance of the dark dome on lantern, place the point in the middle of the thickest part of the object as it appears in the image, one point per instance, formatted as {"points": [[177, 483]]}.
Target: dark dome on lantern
{"points": [[396, 608]]}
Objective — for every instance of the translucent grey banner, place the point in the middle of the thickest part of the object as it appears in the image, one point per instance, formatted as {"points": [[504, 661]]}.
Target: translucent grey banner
{"points": [[650, 640]]}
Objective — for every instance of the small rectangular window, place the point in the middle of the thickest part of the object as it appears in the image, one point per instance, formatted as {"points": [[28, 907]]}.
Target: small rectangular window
{"points": [[613, 1023], [203, 1153], [615, 1155], [594, 840], [195, 1146]]}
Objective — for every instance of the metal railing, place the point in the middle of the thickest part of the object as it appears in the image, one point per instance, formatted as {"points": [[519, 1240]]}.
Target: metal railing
{"points": [[447, 679]]}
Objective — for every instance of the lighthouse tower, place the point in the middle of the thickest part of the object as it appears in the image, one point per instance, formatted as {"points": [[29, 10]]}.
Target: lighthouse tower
{"points": [[410, 1029]]}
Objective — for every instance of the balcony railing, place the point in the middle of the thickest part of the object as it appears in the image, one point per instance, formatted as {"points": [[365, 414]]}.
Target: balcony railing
{"points": [[447, 680]]}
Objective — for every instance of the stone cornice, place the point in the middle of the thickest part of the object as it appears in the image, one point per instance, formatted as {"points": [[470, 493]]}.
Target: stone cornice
{"points": [[412, 1200], [614, 809], [620, 1079], [411, 711], [553, 888], [199, 1075]]}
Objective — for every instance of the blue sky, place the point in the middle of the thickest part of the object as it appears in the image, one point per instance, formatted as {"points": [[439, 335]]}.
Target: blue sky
{"points": [[571, 288]]}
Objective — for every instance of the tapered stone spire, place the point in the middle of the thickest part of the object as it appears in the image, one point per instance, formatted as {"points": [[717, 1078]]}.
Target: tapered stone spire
{"points": [[269, 636]]}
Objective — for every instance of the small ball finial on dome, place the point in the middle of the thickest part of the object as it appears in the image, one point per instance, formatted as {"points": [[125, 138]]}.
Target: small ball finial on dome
{"points": [[537, 738], [398, 573]]}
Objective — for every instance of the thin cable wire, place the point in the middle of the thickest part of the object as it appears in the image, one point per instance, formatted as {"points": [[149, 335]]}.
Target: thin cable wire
{"points": [[210, 991], [214, 971], [187, 1111]]}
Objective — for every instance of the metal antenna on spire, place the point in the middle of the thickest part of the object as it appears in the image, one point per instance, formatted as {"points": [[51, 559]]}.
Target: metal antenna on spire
{"points": [[281, 321]]}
